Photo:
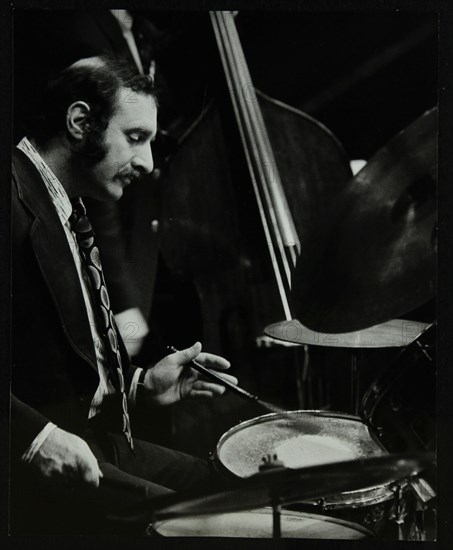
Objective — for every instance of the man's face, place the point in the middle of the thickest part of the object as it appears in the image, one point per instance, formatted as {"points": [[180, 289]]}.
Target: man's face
{"points": [[127, 142]]}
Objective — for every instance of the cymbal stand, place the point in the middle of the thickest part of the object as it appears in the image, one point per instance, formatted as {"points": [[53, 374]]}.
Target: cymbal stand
{"points": [[400, 513], [425, 497], [303, 378], [271, 463], [356, 355], [276, 518]]}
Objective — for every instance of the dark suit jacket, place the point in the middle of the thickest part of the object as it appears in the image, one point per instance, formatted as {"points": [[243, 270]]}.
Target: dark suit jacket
{"points": [[128, 248], [54, 373], [48, 42]]}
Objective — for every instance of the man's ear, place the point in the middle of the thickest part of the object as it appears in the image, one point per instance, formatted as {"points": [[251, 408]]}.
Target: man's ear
{"points": [[77, 117]]}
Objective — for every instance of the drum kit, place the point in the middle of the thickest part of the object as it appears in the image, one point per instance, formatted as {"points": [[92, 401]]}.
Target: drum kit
{"points": [[319, 474], [254, 507]]}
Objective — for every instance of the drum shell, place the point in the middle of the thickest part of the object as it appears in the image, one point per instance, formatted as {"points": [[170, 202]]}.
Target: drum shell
{"points": [[397, 415], [258, 524], [376, 509], [251, 440]]}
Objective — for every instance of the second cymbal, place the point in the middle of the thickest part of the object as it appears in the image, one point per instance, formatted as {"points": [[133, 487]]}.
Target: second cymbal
{"points": [[395, 333], [379, 262]]}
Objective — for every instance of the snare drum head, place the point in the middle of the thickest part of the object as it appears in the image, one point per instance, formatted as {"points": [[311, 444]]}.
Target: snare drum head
{"points": [[298, 438], [258, 524]]}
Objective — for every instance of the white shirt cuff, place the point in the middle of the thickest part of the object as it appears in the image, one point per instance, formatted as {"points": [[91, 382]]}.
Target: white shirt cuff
{"points": [[37, 442], [132, 397]]}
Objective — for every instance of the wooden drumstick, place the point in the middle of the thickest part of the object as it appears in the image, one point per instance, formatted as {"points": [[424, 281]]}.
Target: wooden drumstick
{"points": [[229, 386]]}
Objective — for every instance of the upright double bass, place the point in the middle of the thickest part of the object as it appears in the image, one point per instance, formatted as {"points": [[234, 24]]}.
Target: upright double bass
{"points": [[252, 188]]}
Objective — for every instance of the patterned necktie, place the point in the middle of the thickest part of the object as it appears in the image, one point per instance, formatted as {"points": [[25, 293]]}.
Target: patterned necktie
{"points": [[89, 252]]}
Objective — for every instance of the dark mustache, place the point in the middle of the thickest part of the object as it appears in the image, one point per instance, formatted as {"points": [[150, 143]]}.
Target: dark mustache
{"points": [[132, 174]]}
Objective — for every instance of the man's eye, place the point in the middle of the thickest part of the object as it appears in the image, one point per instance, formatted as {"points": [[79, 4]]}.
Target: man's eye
{"points": [[134, 138]]}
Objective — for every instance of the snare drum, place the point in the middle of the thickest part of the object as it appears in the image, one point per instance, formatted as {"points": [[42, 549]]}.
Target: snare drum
{"points": [[309, 438], [258, 524], [398, 411]]}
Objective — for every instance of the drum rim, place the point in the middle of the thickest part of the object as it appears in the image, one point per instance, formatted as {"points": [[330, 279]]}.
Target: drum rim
{"points": [[270, 416], [267, 510], [359, 498]]}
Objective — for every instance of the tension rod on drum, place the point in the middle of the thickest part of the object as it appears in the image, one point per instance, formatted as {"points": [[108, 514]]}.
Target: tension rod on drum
{"points": [[276, 521], [232, 387], [272, 463]]}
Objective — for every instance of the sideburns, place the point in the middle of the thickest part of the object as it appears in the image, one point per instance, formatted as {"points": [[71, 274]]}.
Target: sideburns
{"points": [[93, 149]]}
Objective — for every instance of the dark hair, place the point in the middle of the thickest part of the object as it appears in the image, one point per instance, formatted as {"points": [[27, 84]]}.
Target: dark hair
{"points": [[97, 83]]}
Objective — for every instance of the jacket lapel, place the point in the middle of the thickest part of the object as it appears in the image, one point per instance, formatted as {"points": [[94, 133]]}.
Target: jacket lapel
{"points": [[54, 257]]}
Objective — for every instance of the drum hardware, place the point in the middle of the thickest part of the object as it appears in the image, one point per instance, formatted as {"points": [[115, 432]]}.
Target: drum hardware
{"points": [[292, 485], [271, 463], [380, 265], [302, 378], [278, 486], [300, 438], [400, 513], [424, 347], [397, 333], [240, 450], [276, 519], [303, 382], [425, 497], [423, 491], [258, 524], [355, 382], [421, 529]]}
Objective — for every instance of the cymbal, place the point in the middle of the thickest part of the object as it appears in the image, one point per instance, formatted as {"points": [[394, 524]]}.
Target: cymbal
{"points": [[287, 485], [392, 334], [379, 260]]}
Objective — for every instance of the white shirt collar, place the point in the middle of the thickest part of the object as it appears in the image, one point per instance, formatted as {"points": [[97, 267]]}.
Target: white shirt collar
{"points": [[56, 190]]}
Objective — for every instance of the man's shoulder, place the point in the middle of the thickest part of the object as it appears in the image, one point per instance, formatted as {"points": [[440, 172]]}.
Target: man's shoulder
{"points": [[19, 173], [22, 170], [26, 192], [27, 180]]}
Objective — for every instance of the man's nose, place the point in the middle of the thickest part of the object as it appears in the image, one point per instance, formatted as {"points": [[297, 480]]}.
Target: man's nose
{"points": [[144, 161]]}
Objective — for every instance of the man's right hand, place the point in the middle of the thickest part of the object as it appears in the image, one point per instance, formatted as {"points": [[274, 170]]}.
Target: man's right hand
{"points": [[65, 458]]}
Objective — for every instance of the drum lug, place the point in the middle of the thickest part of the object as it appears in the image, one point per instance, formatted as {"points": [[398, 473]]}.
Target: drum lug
{"points": [[400, 513], [321, 502], [375, 516], [270, 462]]}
